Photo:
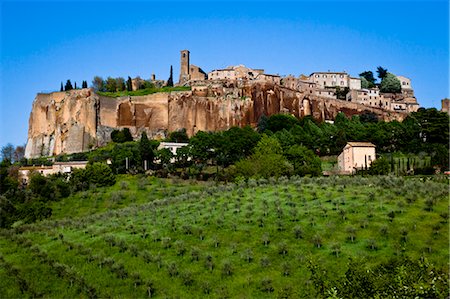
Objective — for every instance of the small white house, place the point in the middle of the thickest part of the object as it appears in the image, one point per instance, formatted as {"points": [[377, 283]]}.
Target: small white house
{"points": [[355, 156], [173, 147], [57, 167]]}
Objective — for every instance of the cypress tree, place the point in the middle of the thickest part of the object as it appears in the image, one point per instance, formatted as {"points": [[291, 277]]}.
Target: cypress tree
{"points": [[68, 86], [170, 81], [129, 84], [62, 88], [75, 85]]}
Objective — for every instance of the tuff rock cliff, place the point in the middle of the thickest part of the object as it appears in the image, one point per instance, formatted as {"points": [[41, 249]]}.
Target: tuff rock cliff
{"points": [[78, 120]]}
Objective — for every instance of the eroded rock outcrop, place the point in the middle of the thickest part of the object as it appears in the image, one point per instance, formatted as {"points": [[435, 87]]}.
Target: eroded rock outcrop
{"points": [[75, 121]]}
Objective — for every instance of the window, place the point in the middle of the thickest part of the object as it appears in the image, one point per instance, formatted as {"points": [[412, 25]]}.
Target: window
{"points": [[342, 82], [324, 76], [342, 76], [324, 83]]}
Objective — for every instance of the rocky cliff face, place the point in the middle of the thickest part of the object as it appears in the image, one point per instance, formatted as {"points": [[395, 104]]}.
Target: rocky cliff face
{"points": [[62, 122], [75, 121]]}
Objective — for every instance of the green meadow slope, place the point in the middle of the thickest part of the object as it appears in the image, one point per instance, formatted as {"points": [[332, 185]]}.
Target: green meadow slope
{"points": [[286, 238]]}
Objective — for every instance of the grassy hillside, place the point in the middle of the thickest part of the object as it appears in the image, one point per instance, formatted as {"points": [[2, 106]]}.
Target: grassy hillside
{"points": [[289, 238]]}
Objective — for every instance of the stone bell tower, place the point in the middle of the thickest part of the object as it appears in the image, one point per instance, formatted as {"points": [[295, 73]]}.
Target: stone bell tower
{"points": [[184, 69]]}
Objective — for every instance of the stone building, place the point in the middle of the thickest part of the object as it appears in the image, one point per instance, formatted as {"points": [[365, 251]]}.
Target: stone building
{"points": [[334, 79], [325, 92], [356, 156], [238, 72], [407, 89], [275, 79], [445, 105], [57, 167], [189, 72], [369, 97]]}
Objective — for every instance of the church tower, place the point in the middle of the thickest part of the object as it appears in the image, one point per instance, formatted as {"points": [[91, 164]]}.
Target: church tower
{"points": [[184, 69]]}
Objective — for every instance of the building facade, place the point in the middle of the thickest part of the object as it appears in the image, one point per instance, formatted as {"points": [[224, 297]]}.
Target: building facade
{"points": [[356, 156], [58, 167], [335, 79], [189, 71]]}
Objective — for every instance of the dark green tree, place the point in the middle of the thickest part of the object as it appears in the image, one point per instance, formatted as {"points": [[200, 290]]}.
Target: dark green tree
{"points": [[100, 174], [121, 136], [178, 136], [305, 162], [68, 86], [62, 88], [170, 80], [129, 84], [380, 166], [381, 72], [111, 84], [262, 123], [277, 122], [120, 82], [368, 75], [146, 150], [390, 84], [164, 156], [84, 84]]}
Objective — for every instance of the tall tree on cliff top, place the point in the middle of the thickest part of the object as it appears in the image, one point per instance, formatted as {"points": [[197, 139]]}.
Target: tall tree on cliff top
{"points": [[170, 81], [368, 75], [129, 84], [98, 84], [381, 72], [390, 84], [68, 86], [75, 85], [84, 84], [62, 88]]}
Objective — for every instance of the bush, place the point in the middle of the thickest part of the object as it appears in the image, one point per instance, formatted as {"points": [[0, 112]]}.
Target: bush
{"points": [[380, 166], [100, 174]]}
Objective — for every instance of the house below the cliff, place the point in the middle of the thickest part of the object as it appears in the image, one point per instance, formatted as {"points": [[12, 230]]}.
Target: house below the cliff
{"points": [[57, 167], [356, 156]]}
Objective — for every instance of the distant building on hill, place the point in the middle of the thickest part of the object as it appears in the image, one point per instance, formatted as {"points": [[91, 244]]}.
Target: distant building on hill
{"points": [[188, 71], [335, 79], [356, 156], [445, 105], [58, 167]]}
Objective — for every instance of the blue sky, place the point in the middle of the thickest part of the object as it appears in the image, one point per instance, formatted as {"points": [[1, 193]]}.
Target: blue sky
{"points": [[44, 43]]}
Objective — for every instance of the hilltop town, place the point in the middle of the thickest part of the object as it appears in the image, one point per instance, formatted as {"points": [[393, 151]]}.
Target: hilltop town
{"points": [[78, 120], [328, 84]]}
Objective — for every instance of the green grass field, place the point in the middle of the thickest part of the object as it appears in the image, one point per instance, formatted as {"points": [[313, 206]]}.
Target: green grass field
{"points": [[286, 238], [143, 92]]}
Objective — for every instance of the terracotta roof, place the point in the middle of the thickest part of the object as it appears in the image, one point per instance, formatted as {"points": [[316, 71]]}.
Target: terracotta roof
{"points": [[361, 144]]}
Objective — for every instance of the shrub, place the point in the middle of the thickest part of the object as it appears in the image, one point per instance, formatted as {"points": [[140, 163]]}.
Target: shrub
{"points": [[227, 269], [100, 174], [266, 285]]}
